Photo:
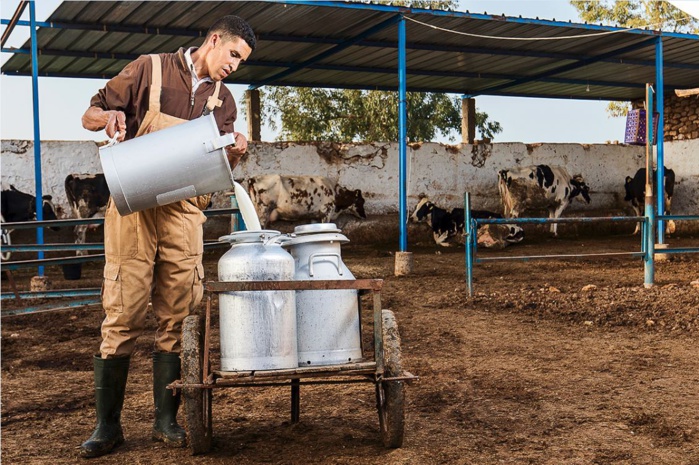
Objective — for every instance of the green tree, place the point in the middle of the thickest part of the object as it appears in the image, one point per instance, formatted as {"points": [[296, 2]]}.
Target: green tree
{"points": [[635, 13], [340, 115]]}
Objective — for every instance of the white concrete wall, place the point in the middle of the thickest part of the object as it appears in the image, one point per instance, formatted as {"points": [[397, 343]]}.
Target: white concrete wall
{"points": [[440, 171], [58, 159], [445, 172]]}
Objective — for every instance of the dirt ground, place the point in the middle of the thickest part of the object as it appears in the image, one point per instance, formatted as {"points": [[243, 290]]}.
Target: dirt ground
{"points": [[551, 362]]}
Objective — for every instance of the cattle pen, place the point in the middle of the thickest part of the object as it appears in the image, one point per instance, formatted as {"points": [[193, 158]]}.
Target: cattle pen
{"points": [[92, 294], [647, 250]]}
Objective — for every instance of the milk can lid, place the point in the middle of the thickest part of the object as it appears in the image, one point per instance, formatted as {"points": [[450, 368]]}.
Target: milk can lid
{"points": [[316, 228], [238, 237]]}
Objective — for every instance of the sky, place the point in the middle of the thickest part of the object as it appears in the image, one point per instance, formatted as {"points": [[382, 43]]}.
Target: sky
{"points": [[62, 101]]}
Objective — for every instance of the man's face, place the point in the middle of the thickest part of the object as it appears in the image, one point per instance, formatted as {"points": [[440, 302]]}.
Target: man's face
{"points": [[226, 56]]}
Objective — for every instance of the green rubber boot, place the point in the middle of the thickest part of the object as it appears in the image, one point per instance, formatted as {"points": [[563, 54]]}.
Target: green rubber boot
{"points": [[166, 369], [110, 385]]}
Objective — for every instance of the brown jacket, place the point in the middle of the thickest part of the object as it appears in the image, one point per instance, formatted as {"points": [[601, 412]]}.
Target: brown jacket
{"points": [[129, 90]]}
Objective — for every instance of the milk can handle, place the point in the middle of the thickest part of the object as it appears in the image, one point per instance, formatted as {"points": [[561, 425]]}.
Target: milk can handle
{"points": [[310, 261], [112, 141]]}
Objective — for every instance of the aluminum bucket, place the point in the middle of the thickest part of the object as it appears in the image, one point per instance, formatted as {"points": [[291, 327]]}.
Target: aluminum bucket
{"points": [[169, 165]]}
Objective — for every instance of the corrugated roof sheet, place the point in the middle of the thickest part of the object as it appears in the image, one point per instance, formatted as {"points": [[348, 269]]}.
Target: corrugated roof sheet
{"points": [[345, 45]]}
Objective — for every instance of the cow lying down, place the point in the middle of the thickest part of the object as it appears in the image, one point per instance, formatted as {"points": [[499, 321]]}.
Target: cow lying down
{"points": [[302, 198], [448, 226]]}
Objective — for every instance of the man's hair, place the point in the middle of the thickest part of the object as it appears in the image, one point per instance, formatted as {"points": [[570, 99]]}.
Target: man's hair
{"points": [[232, 26]]}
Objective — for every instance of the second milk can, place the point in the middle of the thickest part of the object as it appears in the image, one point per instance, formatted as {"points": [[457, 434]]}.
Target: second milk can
{"points": [[258, 328], [328, 329]]}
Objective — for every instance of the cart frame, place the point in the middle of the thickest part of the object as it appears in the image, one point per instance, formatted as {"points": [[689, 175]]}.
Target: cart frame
{"points": [[388, 380]]}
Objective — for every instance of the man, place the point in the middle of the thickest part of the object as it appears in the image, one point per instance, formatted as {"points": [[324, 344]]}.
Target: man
{"points": [[156, 254]]}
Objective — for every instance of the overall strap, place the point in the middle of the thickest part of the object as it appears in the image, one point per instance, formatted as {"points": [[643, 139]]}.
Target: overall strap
{"points": [[213, 101], [156, 84]]}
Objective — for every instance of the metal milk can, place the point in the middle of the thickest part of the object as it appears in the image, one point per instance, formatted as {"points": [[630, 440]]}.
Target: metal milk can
{"points": [[257, 328], [328, 328]]}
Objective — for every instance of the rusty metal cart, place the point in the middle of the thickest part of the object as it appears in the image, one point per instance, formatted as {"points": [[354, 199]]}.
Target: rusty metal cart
{"points": [[385, 370]]}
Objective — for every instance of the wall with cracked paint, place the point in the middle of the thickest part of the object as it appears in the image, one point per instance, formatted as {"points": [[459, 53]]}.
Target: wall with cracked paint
{"points": [[442, 172]]}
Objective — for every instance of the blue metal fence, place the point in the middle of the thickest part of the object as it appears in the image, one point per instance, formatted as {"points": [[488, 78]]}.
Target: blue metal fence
{"points": [[41, 262], [646, 252]]}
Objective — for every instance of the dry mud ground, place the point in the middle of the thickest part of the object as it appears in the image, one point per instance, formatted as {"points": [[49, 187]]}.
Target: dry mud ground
{"points": [[532, 370]]}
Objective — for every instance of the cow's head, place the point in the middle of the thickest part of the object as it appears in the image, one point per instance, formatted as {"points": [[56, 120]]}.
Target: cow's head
{"points": [[350, 201], [48, 210], [515, 234], [504, 177], [499, 236], [422, 210], [580, 188]]}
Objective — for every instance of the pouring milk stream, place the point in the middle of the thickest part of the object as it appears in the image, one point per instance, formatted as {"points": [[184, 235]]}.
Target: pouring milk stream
{"points": [[247, 209]]}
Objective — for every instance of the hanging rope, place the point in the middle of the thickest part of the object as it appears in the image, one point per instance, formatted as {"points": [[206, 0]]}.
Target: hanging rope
{"points": [[482, 36]]}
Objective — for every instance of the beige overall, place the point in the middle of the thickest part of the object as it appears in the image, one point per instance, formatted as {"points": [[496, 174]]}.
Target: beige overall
{"points": [[154, 254]]}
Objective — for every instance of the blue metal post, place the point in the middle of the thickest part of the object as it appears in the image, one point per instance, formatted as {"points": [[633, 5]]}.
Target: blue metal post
{"points": [[648, 259], [402, 137], [468, 244], [660, 174], [37, 137], [237, 222], [649, 223]]}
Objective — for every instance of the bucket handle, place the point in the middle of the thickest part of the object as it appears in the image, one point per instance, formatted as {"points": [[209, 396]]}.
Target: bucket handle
{"points": [[321, 254], [219, 142], [113, 141]]}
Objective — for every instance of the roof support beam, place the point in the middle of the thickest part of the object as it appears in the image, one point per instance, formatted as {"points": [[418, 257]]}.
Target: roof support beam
{"points": [[660, 148], [356, 69], [70, 53], [468, 15], [566, 68], [460, 74], [467, 50], [389, 22], [38, 192], [13, 22], [402, 138], [668, 88], [325, 40], [115, 28]]}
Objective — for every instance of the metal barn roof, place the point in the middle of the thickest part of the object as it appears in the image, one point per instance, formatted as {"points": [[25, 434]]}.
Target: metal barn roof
{"points": [[350, 45]]}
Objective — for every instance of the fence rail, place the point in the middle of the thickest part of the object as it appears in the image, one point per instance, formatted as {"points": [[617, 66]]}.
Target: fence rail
{"points": [[9, 266], [15, 265], [647, 246], [98, 221]]}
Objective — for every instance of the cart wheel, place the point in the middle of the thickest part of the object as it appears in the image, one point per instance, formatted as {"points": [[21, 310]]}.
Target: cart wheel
{"points": [[197, 401], [390, 396]]}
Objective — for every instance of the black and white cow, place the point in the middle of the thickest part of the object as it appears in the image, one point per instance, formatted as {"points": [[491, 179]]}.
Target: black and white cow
{"points": [[636, 194], [451, 224], [18, 206], [540, 187], [308, 198], [87, 196]]}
